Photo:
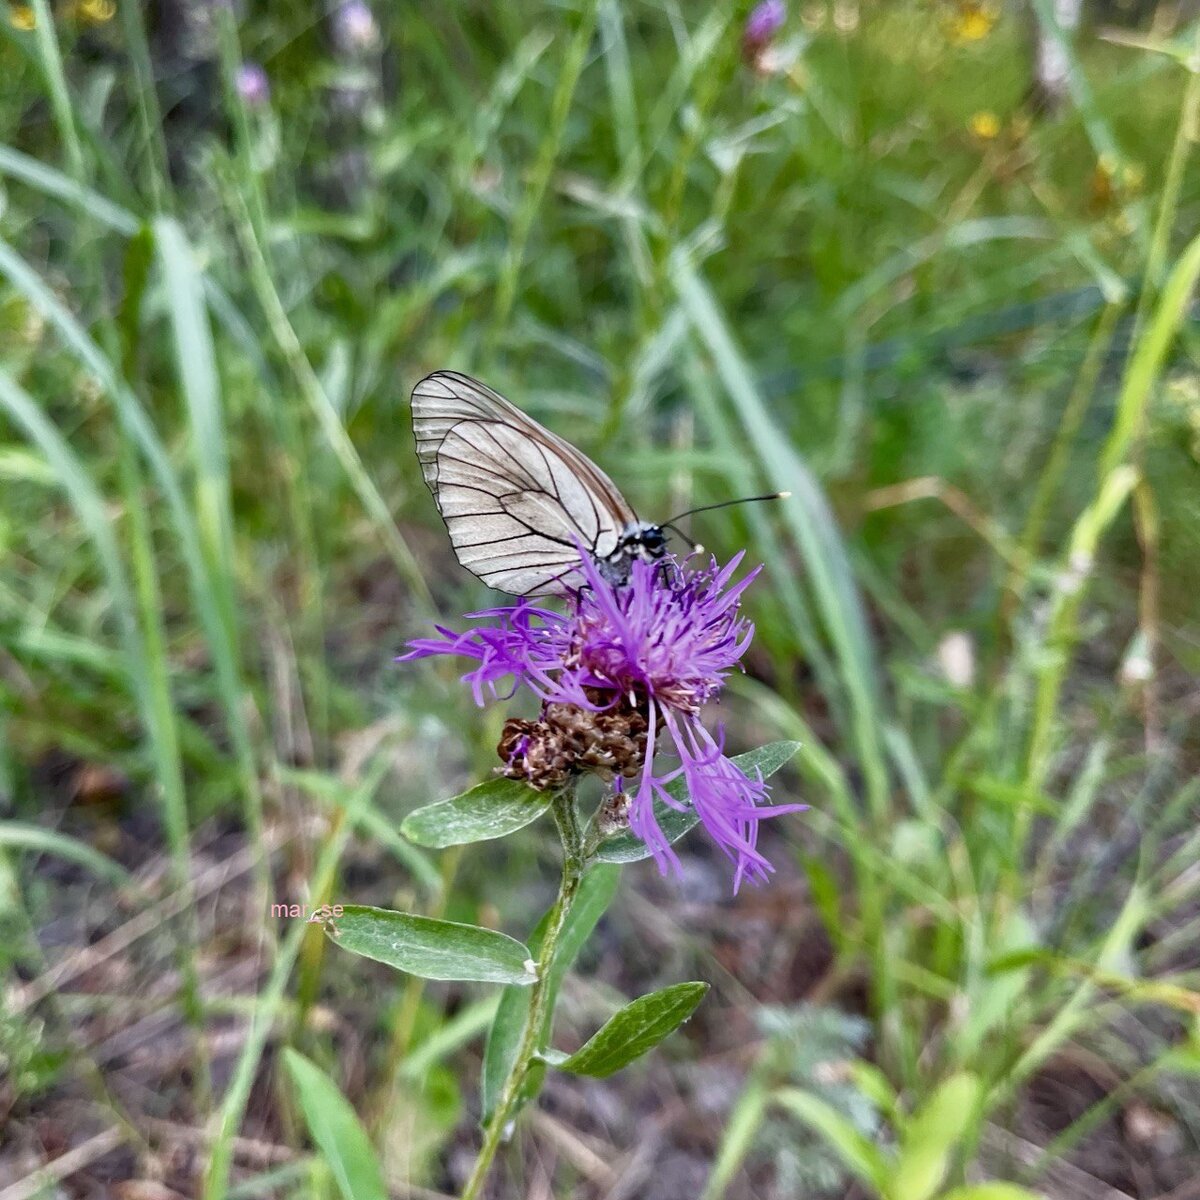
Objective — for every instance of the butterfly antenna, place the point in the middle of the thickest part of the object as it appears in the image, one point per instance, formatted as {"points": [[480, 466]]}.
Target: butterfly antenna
{"points": [[696, 547], [726, 504]]}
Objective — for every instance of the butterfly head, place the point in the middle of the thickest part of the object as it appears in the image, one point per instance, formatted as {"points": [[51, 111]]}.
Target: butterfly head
{"points": [[644, 540], [639, 539]]}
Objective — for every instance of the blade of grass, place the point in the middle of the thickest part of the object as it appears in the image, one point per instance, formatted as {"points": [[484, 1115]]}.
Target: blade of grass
{"points": [[460, 1029], [330, 791], [1051, 475], [197, 371], [509, 82], [1181, 148], [1147, 363], [56, 85], [24, 836], [1116, 482], [52, 182], [619, 74], [145, 654], [743, 482], [812, 526], [535, 189], [169, 767], [230, 51], [268, 1007], [150, 118], [1099, 132], [696, 55], [323, 409], [135, 421], [737, 1138]]}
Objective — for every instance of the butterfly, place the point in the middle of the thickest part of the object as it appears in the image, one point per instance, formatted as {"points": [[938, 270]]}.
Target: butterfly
{"points": [[519, 501]]}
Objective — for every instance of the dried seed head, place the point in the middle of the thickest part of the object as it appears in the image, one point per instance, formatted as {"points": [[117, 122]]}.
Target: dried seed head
{"points": [[533, 751], [568, 739]]}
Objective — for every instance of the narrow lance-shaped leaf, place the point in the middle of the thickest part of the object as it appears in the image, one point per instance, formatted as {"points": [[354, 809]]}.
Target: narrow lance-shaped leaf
{"points": [[930, 1136], [626, 848], [490, 810], [24, 836], [336, 1130], [853, 1147], [595, 894], [433, 949], [638, 1027]]}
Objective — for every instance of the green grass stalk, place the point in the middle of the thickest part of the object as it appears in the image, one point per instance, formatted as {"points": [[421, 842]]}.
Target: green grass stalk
{"points": [[271, 1000], [535, 189]]}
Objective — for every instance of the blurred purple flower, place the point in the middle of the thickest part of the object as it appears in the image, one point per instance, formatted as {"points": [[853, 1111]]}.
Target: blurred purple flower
{"points": [[655, 649], [763, 23], [354, 27], [252, 85]]}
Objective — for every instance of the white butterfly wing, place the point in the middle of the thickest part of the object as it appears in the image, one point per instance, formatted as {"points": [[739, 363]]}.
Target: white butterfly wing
{"points": [[515, 497]]}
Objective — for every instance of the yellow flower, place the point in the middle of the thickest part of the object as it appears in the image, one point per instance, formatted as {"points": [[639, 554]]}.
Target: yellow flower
{"points": [[96, 12], [985, 125], [972, 23], [20, 16]]}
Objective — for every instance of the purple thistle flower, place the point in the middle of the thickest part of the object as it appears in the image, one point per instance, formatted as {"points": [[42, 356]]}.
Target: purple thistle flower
{"points": [[758, 35], [764, 22], [252, 85], [644, 657]]}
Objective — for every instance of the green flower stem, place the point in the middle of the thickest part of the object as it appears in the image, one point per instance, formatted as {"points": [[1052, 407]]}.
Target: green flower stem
{"points": [[574, 862]]}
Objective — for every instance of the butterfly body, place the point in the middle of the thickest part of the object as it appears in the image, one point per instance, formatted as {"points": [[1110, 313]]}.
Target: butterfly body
{"points": [[639, 539]]}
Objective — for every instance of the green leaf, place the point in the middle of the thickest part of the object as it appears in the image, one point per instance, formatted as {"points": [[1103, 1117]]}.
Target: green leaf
{"points": [[139, 256], [1184, 1058], [433, 949], [737, 1138], [929, 1137], [993, 998], [199, 381], [455, 1032], [46, 841], [331, 790], [500, 1051], [809, 518], [826, 897], [51, 182], [595, 894], [874, 1084], [626, 848], [991, 1191], [638, 1027], [23, 466], [491, 810], [336, 1130], [859, 1154]]}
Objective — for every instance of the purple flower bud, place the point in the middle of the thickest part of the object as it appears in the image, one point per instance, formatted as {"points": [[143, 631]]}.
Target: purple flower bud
{"points": [[763, 23], [354, 27], [252, 85]]}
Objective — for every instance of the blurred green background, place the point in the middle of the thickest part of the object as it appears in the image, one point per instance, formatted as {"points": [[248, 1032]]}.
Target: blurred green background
{"points": [[873, 258]]}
